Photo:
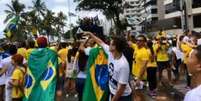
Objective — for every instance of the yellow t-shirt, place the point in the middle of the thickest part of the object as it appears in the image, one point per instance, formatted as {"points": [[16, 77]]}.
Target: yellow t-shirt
{"points": [[19, 76], [29, 52], [151, 63], [162, 54], [140, 55], [22, 51], [63, 54], [186, 50]]}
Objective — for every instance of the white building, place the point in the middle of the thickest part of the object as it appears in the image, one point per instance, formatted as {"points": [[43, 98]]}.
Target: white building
{"points": [[193, 13], [140, 13]]}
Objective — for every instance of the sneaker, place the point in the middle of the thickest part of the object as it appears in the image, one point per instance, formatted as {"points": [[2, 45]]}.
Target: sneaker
{"points": [[152, 93], [76, 95], [67, 95]]}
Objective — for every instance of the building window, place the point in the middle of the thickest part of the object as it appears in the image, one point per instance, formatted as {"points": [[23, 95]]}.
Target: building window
{"points": [[196, 3], [197, 20], [154, 18], [154, 11], [169, 8], [132, 2]]}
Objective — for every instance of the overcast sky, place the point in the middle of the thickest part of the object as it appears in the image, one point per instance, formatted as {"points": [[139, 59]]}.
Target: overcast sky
{"points": [[54, 5]]}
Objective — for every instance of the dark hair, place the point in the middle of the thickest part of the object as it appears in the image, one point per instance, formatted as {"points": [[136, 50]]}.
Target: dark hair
{"points": [[63, 45], [82, 61], [22, 44], [181, 37], [142, 36], [150, 46], [12, 49], [18, 59], [174, 43], [120, 43], [198, 54], [31, 44]]}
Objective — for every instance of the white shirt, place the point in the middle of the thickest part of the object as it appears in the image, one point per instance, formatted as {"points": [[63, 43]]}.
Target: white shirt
{"points": [[87, 50], [119, 72], [194, 94], [2, 77], [7, 63], [178, 52]]}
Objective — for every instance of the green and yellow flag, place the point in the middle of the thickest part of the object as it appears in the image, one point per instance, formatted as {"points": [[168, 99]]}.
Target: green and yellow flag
{"points": [[96, 85], [40, 79]]}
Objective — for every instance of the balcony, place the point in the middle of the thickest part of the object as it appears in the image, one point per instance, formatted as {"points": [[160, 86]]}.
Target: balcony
{"points": [[172, 7], [196, 3]]}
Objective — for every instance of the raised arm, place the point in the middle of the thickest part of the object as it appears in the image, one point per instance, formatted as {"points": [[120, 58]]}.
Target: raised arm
{"points": [[95, 38]]}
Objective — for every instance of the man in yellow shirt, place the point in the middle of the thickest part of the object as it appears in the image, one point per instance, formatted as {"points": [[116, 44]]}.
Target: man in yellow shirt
{"points": [[140, 58], [162, 57], [186, 49]]}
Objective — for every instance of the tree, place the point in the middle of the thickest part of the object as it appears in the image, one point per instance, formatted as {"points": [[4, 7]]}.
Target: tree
{"points": [[110, 8], [59, 24], [37, 14]]}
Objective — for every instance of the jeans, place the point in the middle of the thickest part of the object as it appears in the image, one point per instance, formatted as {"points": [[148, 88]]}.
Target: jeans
{"points": [[176, 71], [152, 78], [188, 77], [80, 87]]}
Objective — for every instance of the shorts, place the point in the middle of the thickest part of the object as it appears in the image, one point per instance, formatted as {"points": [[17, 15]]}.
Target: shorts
{"points": [[163, 65], [60, 83]]}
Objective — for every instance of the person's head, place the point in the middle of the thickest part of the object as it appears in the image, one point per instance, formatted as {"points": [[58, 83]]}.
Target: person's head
{"points": [[117, 44], [194, 37], [22, 44], [63, 45], [42, 42], [194, 61], [12, 49], [149, 43], [141, 40], [17, 59], [90, 43], [31, 44]]}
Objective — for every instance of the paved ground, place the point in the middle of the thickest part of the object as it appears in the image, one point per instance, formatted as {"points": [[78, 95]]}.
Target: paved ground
{"points": [[165, 92]]}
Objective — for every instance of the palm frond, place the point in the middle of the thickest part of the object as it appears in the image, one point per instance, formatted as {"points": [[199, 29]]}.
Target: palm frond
{"points": [[8, 17], [11, 8]]}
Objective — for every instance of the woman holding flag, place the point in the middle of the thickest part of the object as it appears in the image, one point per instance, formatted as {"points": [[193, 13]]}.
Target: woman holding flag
{"points": [[119, 71]]}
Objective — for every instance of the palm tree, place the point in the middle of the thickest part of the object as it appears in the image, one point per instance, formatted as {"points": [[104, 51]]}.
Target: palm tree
{"points": [[37, 14], [47, 23], [59, 24], [15, 9]]}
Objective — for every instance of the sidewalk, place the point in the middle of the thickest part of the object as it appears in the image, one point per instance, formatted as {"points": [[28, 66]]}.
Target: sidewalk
{"points": [[178, 89]]}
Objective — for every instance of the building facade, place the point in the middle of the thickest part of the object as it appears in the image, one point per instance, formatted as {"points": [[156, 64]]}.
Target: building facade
{"points": [[180, 15], [141, 13]]}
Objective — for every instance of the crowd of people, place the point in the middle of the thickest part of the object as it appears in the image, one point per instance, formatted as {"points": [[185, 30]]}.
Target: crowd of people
{"points": [[134, 63]]}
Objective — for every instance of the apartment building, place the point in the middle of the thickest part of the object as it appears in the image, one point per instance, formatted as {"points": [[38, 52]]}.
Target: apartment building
{"points": [[183, 14], [141, 13]]}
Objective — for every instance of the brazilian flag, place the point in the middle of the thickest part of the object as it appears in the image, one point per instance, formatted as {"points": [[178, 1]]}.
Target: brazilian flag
{"points": [[40, 80], [12, 25], [96, 85]]}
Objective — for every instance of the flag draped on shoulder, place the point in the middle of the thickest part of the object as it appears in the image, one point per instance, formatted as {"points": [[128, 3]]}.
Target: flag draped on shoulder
{"points": [[96, 85], [40, 79]]}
